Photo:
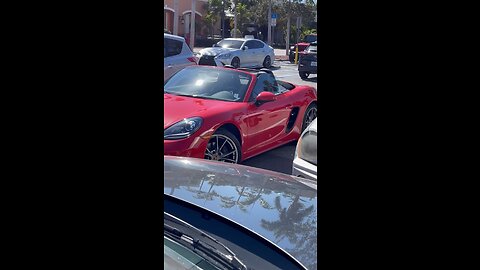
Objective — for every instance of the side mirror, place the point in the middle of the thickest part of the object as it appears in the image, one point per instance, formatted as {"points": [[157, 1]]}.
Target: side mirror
{"points": [[264, 97], [245, 48]]}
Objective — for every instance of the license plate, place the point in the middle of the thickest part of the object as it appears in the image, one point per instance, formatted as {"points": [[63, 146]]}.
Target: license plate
{"points": [[313, 64]]}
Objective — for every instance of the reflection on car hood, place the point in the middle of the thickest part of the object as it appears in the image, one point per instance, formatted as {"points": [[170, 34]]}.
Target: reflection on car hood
{"points": [[279, 207], [214, 51]]}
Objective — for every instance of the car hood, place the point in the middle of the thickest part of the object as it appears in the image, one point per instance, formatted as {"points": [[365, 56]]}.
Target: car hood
{"points": [[279, 207], [214, 51], [176, 108]]}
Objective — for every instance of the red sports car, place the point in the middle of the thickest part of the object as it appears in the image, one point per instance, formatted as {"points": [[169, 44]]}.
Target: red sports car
{"points": [[230, 115]]}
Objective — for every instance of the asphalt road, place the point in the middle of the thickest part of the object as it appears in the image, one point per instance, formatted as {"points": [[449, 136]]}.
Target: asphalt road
{"points": [[285, 71], [278, 160]]}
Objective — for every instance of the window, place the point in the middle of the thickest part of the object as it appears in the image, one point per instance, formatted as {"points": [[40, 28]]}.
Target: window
{"points": [[171, 47], [250, 44], [265, 82], [257, 44]]}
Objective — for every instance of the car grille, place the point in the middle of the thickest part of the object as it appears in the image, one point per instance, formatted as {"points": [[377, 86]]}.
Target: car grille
{"points": [[207, 60]]}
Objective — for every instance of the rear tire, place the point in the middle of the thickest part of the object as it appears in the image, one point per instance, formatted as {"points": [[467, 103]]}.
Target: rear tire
{"points": [[236, 62], [303, 74], [291, 58], [267, 62]]}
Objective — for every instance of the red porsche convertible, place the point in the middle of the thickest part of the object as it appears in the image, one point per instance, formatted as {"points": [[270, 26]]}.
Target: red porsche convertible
{"points": [[230, 115]]}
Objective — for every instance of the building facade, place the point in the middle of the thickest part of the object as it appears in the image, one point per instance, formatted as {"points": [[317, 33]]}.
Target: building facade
{"points": [[184, 9]]}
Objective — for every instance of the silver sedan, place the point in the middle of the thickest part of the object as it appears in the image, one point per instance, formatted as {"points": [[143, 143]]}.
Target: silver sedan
{"points": [[238, 52]]}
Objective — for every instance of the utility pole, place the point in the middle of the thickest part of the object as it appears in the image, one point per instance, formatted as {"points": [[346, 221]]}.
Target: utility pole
{"points": [[235, 19], [192, 25], [175, 17], [288, 30], [270, 22], [223, 19]]}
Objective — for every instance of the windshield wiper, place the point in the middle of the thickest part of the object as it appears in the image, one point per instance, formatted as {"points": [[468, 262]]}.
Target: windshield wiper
{"points": [[200, 242]]}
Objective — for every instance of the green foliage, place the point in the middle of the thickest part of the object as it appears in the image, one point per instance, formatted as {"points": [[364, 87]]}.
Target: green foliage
{"points": [[239, 33]]}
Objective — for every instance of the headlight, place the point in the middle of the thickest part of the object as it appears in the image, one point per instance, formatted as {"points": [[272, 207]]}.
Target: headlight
{"points": [[224, 56], [182, 129], [307, 147], [292, 48]]}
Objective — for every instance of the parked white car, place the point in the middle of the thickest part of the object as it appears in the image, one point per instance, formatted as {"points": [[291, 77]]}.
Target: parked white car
{"points": [[305, 161], [238, 52], [176, 55]]}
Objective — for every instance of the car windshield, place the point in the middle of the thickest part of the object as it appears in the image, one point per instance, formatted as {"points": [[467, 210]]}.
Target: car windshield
{"points": [[175, 256], [186, 247], [209, 83], [310, 38], [226, 43]]}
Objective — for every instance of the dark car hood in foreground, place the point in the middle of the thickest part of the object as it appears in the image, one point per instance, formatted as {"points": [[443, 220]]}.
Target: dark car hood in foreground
{"points": [[277, 206]]}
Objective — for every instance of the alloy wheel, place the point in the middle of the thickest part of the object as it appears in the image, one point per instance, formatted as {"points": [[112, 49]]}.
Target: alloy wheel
{"points": [[222, 148], [310, 116]]}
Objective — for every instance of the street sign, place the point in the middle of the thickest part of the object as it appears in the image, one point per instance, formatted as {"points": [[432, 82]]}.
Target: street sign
{"points": [[274, 22], [274, 15]]}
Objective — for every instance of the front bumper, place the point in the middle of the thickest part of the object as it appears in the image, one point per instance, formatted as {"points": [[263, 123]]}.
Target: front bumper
{"points": [[210, 60], [304, 169], [193, 146]]}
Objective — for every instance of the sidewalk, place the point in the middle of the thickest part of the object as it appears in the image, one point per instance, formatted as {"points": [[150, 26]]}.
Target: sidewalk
{"points": [[279, 53]]}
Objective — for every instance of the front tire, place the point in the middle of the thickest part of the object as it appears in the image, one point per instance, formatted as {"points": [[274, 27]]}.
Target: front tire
{"points": [[223, 146], [303, 74], [310, 115]]}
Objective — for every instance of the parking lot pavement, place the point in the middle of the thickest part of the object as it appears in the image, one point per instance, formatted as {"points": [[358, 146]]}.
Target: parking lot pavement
{"points": [[285, 71], [278, 160]]}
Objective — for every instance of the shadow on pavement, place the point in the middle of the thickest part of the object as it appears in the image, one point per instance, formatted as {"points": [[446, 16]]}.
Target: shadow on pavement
{"points": [[314, 79], [278, 160]]}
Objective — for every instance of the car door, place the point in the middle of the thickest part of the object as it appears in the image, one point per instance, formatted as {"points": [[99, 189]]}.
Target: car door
{"points": [[260, 52], [173, 60], [266, 123], [255, 52], [247, 55]]}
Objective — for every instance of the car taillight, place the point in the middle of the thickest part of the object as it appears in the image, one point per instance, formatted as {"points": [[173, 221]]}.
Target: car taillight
{"points": [[192, 59]]}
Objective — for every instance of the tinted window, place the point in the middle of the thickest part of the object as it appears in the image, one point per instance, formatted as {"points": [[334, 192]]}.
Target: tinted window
{"points": [[265, 82], [310, 38], [172, 47], [250, 44], [257, 44]]}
